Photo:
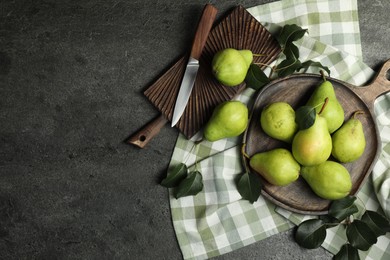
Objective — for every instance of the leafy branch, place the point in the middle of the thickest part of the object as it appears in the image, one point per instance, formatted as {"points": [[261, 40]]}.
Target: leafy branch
{"points": [[256, 78], [361, 233], [184, 182]]}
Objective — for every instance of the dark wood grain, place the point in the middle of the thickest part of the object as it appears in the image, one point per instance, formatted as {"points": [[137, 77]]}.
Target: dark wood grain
{"points": [[296, 89]]}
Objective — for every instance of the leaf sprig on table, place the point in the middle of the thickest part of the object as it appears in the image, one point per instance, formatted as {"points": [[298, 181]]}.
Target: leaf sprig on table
{"points": [[361, 233], [184, 182], [287, 64]]}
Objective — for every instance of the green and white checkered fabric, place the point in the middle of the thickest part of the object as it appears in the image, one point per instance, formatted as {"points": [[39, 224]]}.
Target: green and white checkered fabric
{"points": [[217, 220]]}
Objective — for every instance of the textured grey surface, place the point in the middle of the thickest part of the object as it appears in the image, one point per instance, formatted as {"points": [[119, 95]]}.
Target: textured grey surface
{"points": [[72, 75]]}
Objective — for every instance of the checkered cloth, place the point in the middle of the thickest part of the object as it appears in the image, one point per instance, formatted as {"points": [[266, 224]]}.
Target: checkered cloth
{"points": [[217, 220]]}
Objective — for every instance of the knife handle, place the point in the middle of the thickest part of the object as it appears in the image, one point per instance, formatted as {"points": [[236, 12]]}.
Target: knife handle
{"points": [[147, 132], [202, 32]]}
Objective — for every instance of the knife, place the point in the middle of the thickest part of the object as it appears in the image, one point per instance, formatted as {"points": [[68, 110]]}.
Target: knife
{"points": [[202, 32]]}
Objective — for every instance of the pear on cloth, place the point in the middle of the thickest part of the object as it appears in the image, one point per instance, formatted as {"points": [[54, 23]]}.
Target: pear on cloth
{"points": [[229, 119]]}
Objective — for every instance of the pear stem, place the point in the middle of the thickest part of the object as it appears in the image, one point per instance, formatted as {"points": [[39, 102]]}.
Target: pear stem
{"points": [[243, 151], [323, 75], [324, 105], [259, 55], [358, 112]]}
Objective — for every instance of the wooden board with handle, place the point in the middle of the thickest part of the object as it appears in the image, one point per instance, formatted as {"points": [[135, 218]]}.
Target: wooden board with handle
{"points": [[296, 89]]}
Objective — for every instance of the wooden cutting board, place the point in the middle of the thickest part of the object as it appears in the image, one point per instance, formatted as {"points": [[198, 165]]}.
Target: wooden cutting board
{"points": [[239, 30]]}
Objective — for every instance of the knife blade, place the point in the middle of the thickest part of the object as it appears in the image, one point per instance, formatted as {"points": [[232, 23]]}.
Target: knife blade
{"points": [[189, 77]]}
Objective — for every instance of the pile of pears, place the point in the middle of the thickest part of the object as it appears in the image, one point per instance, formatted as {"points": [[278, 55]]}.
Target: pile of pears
{"points": [[318, 152]]}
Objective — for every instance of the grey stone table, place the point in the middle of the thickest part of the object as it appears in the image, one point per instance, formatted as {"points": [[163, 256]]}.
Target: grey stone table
{"points": [[72, 75]]}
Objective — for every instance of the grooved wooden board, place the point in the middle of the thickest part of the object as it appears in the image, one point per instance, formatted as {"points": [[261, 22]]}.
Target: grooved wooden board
{"points": [[239, 30]]}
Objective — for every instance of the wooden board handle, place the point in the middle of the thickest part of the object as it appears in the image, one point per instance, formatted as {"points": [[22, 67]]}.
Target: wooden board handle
{"points": [[147, 132], [379, 86], [202, 32]]}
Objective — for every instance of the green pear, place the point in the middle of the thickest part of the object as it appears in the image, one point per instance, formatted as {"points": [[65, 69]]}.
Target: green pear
{"points": [[247, 55], [230, 66], [229, 119], [278, 121], [329, 180], [333, 112], [348, 142], [277, 166], [313, 145]]}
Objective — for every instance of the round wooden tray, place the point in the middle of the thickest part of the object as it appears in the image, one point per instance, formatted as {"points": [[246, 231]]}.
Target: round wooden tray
{"points": [[296, 89]]}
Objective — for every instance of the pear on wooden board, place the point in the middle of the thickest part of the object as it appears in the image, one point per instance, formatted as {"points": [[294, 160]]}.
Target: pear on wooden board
{"points": [[277, 166], [349, 142], [313, 145], [247, 55], [230, 66], [333, 112], [229, 119], [329, 180]]}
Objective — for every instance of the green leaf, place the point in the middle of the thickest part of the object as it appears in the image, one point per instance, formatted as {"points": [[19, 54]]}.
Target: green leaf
{"points": [[347, 252], [360, 235], [249, 186], [329, 221], [305, 117], [287, 67], [377, 222], [305, 65], [290, 33], [291, 52], [255, 77], [175, 176], [191, 185], [311, 233], [343, 208]]}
